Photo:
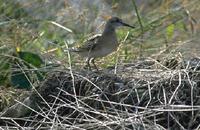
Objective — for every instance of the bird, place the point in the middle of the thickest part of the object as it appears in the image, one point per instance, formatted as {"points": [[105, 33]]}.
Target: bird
{"points": [[102, 44]]}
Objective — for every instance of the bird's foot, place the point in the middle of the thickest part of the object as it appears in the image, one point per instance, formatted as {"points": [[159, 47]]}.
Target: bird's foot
{"points": [[86, 67], [89, 68]]}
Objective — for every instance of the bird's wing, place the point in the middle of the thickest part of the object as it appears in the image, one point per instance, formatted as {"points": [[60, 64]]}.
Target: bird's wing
{"points": [[90, 43]]}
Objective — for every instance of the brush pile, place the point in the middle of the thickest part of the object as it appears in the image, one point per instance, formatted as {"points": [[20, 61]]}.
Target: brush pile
{"points": [[143, 95]]}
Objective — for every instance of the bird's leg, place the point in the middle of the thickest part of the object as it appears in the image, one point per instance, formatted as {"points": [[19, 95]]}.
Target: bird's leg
{"points": [[88, 63], [92, 61]]}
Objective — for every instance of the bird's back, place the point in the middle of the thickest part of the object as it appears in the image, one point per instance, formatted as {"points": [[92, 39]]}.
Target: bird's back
{"points": [[98, 45]]}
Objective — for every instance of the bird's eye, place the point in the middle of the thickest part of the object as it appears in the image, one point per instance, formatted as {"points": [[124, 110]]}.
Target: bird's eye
{"points": [[117, 20]]}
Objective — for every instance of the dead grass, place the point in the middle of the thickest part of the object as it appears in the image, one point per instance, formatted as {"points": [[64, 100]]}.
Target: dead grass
{"points": [[145, 94]]}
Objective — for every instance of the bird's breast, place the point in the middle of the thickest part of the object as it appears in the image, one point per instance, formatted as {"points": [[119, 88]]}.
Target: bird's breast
{"points": [[107, 46]]}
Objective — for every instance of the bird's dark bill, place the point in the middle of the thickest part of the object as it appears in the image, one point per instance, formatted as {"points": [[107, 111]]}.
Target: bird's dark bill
{"points": [[125, 24]]}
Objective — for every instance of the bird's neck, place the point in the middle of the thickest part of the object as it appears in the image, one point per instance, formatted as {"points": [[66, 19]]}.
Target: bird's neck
{"points": [[108, 30]]}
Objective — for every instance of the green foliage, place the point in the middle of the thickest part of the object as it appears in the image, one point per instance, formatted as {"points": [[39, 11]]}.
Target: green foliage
{"points": [[170, 31], [21, 70], [24, 69], [4, 67], [31, 58], [20, 79], [11, 9]]}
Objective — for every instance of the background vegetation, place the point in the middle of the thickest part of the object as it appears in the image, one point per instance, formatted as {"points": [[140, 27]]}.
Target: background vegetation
{"points": [[32, 35]]}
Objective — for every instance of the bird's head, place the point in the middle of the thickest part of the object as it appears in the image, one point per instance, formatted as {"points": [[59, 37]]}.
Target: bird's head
{"points": [[117, 22]]}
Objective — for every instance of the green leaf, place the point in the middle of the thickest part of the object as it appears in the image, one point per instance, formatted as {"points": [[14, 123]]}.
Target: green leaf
{"points": [[170, 31], [31, 58], [19, 80], [22, 79]]}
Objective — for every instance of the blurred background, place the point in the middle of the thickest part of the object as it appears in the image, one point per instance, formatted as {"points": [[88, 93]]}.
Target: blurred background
{"points": [[33, 33]]}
